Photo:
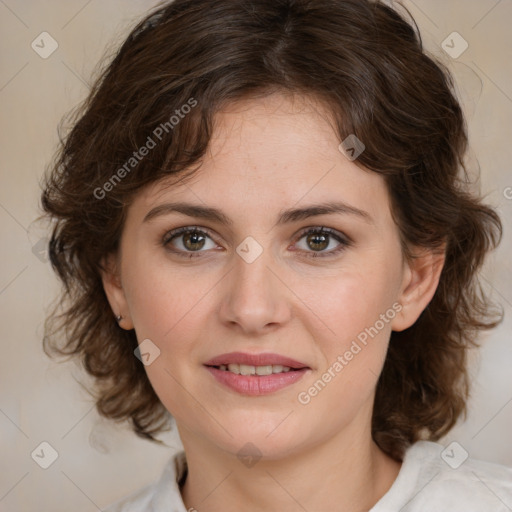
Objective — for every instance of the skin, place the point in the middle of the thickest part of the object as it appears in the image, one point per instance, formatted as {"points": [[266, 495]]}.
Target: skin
{"points": [[266, 155]]}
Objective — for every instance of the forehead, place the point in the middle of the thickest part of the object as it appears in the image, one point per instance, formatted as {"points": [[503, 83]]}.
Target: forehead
{"points": [[270, 153], [275, 129]]}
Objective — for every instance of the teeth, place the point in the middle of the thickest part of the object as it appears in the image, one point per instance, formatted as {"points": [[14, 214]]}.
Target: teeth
{"points": [[234, 368], [246, 369], [264, 370]]}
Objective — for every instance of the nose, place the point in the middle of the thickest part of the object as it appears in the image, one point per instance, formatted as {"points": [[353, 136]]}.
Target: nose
{"points": [[254, 297]]}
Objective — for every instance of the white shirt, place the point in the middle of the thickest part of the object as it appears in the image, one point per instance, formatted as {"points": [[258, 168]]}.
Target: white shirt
{"points": [[425, 483]]}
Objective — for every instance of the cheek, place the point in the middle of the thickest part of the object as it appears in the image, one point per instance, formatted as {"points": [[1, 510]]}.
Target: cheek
{"points": [[162, 297], [351, 359], [347, 303], [352, 321], [169, 308]]}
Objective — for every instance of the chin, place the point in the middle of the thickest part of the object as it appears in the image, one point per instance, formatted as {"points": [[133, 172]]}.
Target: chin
{"points": [[258, 443]]}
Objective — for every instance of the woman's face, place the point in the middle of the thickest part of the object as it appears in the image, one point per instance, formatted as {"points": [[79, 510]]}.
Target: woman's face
{"points": [[256, 280]]}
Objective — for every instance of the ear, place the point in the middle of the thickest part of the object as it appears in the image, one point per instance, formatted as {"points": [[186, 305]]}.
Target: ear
{"points": [[420, 279], [111, 279]]}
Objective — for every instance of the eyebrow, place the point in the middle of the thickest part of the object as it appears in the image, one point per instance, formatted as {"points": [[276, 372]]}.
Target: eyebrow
{"points": [[285, 216]]}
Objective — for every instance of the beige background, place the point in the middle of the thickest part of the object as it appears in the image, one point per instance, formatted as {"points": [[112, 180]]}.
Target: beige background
{"points": [[39, 399]]}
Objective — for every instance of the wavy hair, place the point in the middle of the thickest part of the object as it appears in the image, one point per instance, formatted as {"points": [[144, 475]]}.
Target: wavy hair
{"points": [[367, 64]]}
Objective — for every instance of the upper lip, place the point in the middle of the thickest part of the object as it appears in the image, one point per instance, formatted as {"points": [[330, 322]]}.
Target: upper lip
{"points": [[263, 359]]}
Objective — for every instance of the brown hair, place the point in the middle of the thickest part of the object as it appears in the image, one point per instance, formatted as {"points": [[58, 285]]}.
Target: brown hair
{"points": [[366, 63]]}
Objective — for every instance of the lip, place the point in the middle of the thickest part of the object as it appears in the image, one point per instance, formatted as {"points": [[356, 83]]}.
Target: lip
{"points": [[263, 359], [256, 384]]}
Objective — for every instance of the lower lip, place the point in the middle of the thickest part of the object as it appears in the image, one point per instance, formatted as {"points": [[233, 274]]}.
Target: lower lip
{"points": [[256, 384]]}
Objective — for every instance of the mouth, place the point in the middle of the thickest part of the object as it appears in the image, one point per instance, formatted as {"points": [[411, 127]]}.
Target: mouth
{"points": [[255, 374], [246, 369], [244, 363]]}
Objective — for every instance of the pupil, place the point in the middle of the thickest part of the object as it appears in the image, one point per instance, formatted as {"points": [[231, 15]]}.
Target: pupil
{"points": [[323, 244], [192, 238]]}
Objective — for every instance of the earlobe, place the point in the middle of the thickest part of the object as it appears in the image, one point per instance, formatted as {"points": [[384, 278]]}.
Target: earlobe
{"points": [[111, 279], [421, 278]]}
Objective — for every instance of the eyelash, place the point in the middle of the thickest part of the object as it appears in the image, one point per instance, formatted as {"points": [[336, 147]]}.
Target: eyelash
{"points": [[344, 241]]}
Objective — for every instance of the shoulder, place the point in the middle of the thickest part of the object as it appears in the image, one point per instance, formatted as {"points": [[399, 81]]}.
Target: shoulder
{"points": [[135, 502], [161, 495], [433, 477]]}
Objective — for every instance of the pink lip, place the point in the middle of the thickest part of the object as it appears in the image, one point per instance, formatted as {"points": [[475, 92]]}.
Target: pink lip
{"points": [[255, 360], [256, 384]]}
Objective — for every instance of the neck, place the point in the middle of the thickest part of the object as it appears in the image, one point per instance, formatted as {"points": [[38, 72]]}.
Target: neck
{"points": [[347, 472]]}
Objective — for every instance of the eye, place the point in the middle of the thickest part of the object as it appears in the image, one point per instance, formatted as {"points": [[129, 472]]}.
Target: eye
{"points": [[320, 238], [190, 238]]}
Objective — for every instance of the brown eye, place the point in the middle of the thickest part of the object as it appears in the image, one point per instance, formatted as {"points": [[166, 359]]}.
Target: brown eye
{"points": [[319, 239], [187, 240], [193, 240]]}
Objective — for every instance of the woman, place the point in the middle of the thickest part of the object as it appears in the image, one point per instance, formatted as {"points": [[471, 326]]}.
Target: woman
{"points": [[264, 234]]}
